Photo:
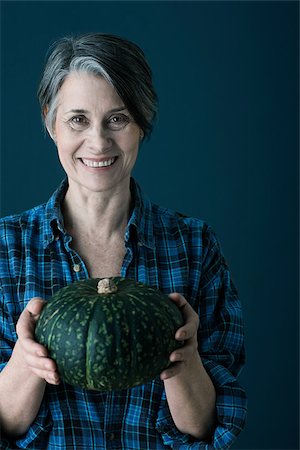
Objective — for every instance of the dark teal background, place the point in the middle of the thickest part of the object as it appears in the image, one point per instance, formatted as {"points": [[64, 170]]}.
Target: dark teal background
{"points": [[225, 148]]}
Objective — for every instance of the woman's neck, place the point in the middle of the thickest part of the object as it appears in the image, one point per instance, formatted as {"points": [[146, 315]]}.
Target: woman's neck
{"points": [[100, 213]]}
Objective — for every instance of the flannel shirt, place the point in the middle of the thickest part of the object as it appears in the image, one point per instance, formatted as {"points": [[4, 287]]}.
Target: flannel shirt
{"points": [[164, 249]]}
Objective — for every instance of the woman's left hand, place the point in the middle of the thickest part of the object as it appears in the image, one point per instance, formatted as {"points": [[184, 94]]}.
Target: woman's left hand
{"points": [[189, 390], [181, 357]]}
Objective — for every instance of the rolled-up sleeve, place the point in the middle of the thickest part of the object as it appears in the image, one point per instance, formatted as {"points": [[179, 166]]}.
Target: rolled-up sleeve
{"points": [[221, 347], [221, 341], [8, 337]]}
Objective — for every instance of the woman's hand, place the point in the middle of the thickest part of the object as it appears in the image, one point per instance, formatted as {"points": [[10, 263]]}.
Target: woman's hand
{"points": [[23, 379], [181, 357], [34, 354], [189, 390]]}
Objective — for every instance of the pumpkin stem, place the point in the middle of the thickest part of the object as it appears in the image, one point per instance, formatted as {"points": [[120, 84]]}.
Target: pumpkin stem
{"points": [[106, 286]]}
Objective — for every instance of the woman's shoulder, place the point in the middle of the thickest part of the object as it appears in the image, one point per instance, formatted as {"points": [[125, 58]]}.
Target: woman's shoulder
{"points": [[18, 223], [36, 218], [172, 218], [194, 230], [175, 229]]}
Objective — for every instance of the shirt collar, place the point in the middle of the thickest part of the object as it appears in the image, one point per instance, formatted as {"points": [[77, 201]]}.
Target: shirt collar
{"points": [[54, 222], [141, 216]]}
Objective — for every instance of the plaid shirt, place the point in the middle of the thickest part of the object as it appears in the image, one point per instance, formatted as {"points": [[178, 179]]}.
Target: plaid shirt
{"points": [[164, 249]]}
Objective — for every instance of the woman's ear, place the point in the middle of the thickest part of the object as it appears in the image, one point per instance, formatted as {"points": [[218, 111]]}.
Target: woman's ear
{"points": [[51, 132], [45, 111]]}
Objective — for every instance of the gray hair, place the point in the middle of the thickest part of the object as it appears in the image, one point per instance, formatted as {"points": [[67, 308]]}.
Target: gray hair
{"points": [[119, 61]]}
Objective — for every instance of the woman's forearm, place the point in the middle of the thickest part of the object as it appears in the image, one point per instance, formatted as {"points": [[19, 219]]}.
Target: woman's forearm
{"points": [[191, 398], [21, 394]]}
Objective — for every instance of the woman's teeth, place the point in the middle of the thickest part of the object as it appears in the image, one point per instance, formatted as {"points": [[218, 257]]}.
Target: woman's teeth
{"points": [[90, 163]]}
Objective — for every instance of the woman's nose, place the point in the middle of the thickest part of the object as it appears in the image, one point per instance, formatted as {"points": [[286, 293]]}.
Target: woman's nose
{"points": [[100, 139]]}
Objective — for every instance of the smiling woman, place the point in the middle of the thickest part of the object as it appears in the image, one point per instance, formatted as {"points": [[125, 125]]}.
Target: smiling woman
{"points": [[98, 104], [95, 134]]}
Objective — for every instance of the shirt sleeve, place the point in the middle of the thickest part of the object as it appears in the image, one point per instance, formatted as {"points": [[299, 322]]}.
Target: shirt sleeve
{"points": [[221, 347], [221, 341], [8, 334]]}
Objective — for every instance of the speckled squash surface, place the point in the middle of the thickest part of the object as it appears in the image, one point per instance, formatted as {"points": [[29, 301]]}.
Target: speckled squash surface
{"points": [[107, 341]]}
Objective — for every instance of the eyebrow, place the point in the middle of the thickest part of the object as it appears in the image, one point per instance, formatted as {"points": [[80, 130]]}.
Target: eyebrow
{"points": [[85, 111]]}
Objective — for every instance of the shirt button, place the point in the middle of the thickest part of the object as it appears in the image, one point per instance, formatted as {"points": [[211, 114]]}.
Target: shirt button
{"points": [[76, 267], [111, 436]]}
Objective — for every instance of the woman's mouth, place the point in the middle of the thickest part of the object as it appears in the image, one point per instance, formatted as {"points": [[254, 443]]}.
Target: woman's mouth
{"points": [[103, 163]]}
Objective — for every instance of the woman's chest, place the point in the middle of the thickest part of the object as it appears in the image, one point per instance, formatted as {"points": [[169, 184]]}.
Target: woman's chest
{"points": [[102, 258], [42, 273]]}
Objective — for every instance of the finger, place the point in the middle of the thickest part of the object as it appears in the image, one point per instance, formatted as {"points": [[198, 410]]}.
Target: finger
{"points": [[173, 370], [189, 329], [26, 326], [50, 377], [31, 347], [186, 309], [184, 353], [28, 318], [178, 299], [177, 356], [35, 306], [40, 363]]}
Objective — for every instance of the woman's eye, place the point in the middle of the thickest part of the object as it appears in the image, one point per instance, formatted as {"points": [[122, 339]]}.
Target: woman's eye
{"points": [[79, 122], [118, 122]]}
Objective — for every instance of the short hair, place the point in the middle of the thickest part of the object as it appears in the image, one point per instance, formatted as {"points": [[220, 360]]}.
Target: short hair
{"points": [[119, 61]]}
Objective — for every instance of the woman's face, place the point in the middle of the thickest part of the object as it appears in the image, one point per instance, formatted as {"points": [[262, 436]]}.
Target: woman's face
{"points": [[96, 137]]}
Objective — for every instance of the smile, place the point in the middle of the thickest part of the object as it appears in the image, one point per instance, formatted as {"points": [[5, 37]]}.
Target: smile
{"points": [[103, 163]]}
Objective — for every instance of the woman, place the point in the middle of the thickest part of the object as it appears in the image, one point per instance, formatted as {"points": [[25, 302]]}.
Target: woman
{"points": [[98, 104]]}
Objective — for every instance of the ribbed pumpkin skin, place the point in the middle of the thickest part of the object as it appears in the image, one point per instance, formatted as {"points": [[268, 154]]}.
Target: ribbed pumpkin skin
{"points": [[109, 341]]}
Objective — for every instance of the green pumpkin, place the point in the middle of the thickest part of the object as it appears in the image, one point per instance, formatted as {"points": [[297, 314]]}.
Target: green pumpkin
{"points": [[110, 333]]}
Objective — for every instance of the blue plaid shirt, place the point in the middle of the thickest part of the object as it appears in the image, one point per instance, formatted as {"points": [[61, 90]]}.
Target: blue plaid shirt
{"points": [[164, 249]]}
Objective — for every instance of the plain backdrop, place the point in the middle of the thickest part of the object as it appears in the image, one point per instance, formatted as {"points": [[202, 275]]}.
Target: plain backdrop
{"points": [[224, 148]]}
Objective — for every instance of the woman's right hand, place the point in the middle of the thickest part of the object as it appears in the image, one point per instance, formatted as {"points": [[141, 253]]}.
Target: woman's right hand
{"points": [[34, 354], [23, 379]]}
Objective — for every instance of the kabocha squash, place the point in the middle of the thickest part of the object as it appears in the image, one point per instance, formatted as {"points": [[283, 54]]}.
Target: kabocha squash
{"points": [[109, 333]]}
